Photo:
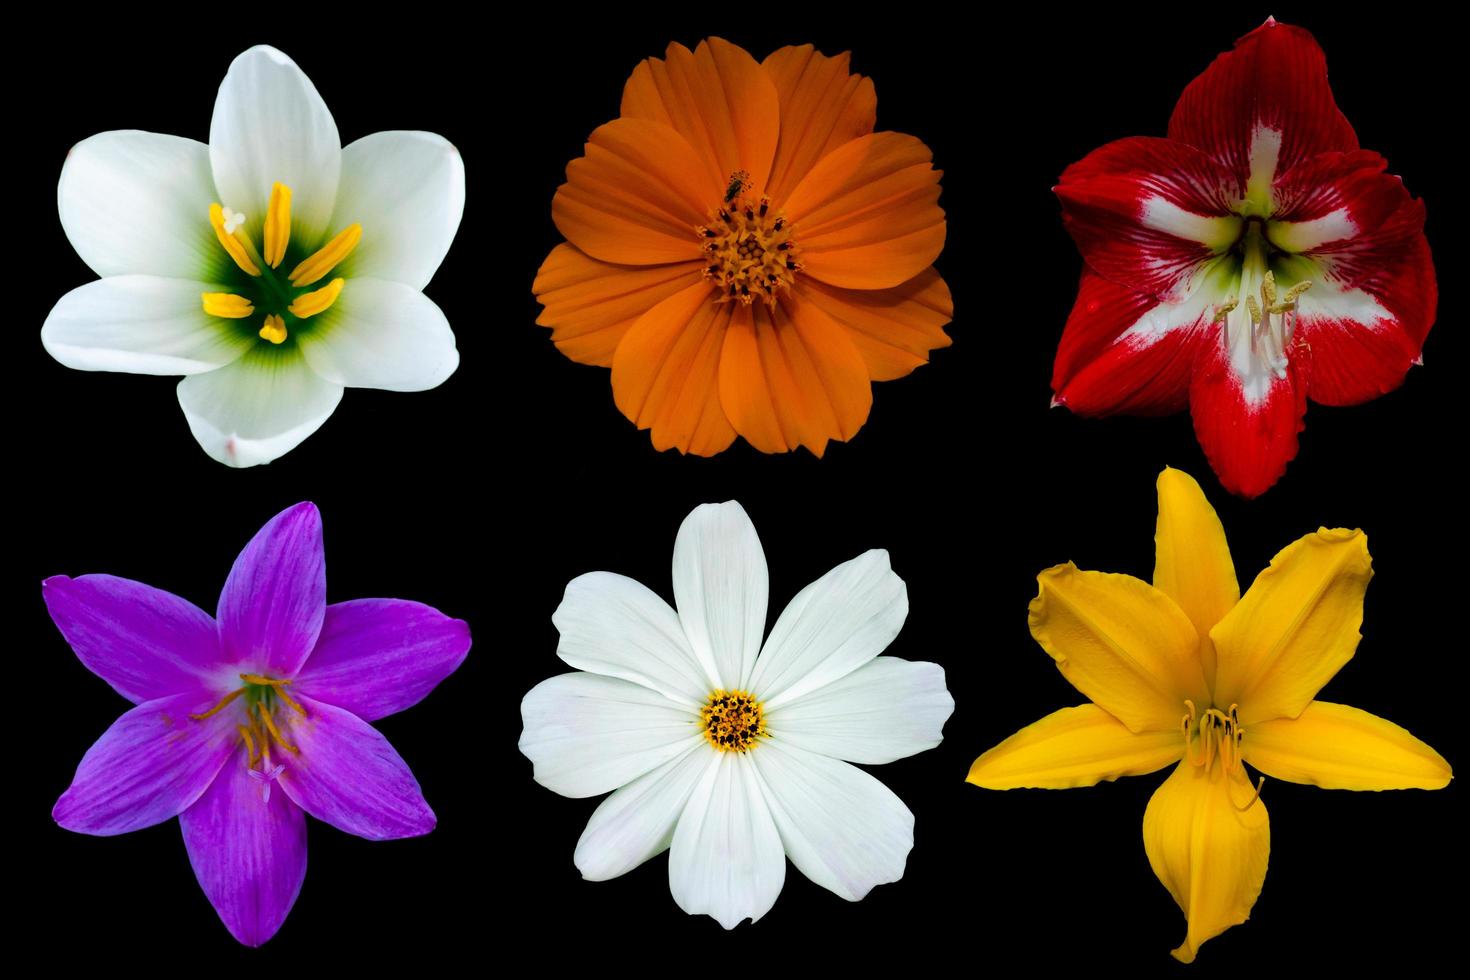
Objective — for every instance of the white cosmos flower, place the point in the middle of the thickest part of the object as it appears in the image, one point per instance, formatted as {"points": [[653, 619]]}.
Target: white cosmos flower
{"points": [[273, 267], [727, 753]]}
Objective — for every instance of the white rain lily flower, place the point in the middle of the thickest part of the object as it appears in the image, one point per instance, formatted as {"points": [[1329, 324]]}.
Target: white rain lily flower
{"points": [[726, 753], [272, 268]]}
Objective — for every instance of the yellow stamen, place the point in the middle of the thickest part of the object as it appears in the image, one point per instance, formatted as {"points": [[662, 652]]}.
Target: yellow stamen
{"points": [[221, 706], [327, 257], [279, 684], [227, 305], [1225, 309], [249, 743], [1268, 288], [733, 721], [291, 701], [1253, 308], [1254, 797], [277, 225], [274, 329], [265, 716], [310, 304], [234, 244]]}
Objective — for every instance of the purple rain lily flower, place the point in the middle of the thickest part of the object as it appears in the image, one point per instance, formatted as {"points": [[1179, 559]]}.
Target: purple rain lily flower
{"points": [[274, 693]]}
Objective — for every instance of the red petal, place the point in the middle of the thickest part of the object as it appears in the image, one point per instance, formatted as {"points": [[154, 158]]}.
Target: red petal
{"points": [[1331, 197], [1125, 352], [1146, 212], [1276, 78], [1248, 438]]}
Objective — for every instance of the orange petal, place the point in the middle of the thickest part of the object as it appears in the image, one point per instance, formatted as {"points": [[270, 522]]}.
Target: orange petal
{"points": [[868, 214], [718, 99], [591, 304], [664, 372], [791, 377], [893, 329], [822, 107], [636, 196]]}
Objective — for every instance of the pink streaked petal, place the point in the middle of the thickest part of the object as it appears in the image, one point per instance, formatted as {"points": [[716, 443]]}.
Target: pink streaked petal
{"points": [[145, 642], [345, 773], [1275, 80], [1332, 197], [273, 603], [1147, 212], [1247, 426], [376, 657], [1391, 263], [248, 851], [149, 766]]}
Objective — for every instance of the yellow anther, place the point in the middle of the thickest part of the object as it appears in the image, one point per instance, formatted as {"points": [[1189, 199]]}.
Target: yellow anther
{"points": [[291, 701], [1225, 309], [318, 300], [265, 717], [327, 257], [227, 305], [1268, 288], [277, 225], [249, 743], [1253, 308], [221, 706], [274, 329], [234, 243]]}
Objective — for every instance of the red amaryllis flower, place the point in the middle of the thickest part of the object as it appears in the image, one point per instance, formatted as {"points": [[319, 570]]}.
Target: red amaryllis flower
{"points": [[1252, 260]]}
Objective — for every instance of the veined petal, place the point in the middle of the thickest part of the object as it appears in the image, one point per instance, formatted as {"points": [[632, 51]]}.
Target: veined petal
{"points": [[1332, 197], [867, 215], [273, 603], [726, 858], [1295, 627], [271, 125], [822, 107], [248, 851], [138, 203], [841, 827], [258, 407], [587, 734], [1192, 562], [348, 775], [719, 99], [153, 763], [637, 821], [406, 189], [887, 709], [721, 587], [145, 642], [1079, 746], [1147, 212], [589, 305], [893, 329], [376, 657], [1121, 642], [141, 325], [1209, 853], [381, 334], [831, 628], [1336, 746]]}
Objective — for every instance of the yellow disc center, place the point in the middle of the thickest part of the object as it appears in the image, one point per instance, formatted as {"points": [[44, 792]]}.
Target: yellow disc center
{"points": [[733, 721], [748, 245]]}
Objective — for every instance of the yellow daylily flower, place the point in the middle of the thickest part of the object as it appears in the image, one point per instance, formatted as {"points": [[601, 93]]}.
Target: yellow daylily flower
{"points": [[1188, 671]]}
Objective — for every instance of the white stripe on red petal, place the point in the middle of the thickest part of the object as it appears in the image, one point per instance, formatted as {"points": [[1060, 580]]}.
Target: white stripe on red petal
{"points": [[1333, 197], [1356, 349], [1247, 425]]}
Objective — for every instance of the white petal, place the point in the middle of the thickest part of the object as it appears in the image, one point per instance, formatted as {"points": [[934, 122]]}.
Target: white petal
{"points": [[135, 202], [587, 734], [720, 590], [833, 626], [726, 858], [841, 827], [885, 710], [612, 625], [141, 325], [637, 822], [406, 189], [380, 334], [271, 125], [257, 408]]}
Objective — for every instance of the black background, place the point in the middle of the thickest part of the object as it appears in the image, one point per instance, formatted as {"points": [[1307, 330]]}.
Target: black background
{"points": [[485, 496]]}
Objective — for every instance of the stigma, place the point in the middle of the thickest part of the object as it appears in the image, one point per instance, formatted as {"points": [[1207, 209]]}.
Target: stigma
{"points": [[733, 721], [748, 246]]}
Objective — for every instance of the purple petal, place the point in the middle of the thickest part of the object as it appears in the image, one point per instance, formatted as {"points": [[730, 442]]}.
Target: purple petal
{"points": [[151, 764], [145, 642], [379, 656], [347, 775], [248, 853], [271, 609]]}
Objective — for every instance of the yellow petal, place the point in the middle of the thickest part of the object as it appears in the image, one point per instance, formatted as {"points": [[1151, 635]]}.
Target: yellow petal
{"points": [[1077, 746], [1209, 854], [1336, 746], [1192, 562], [1294, 628], [1121, 642]]}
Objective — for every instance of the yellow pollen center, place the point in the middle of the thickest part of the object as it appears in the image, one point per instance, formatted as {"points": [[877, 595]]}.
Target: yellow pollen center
{"points": [[748, 246], [263, 696], [1214, 738], [733, 721]]}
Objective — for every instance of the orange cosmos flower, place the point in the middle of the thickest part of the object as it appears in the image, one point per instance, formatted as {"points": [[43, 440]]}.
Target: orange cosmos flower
{"points": [[745, 253]]}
